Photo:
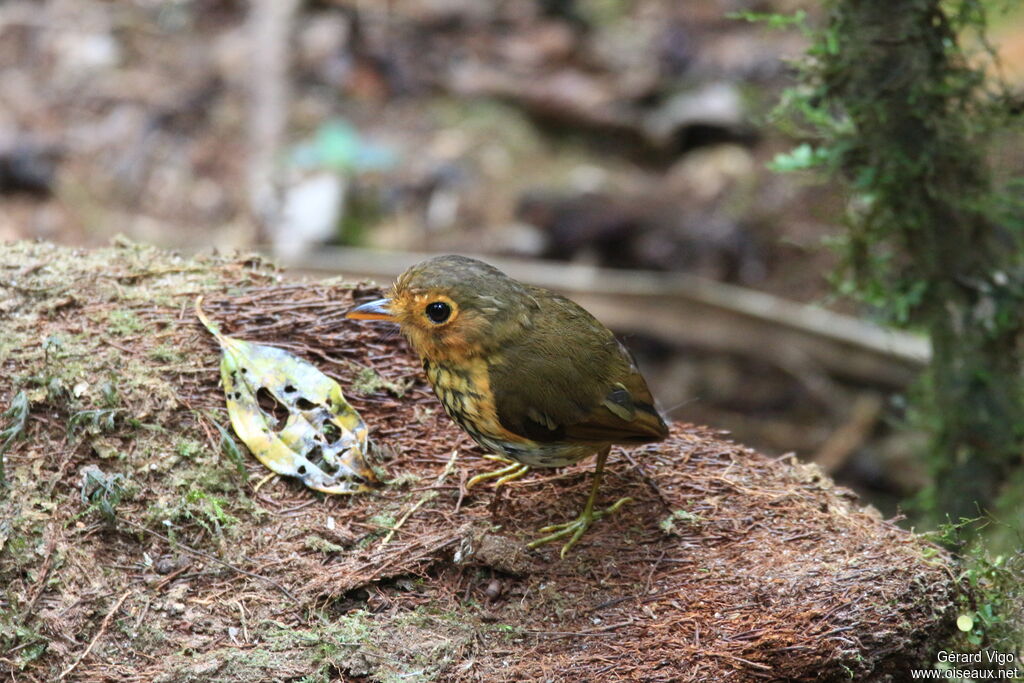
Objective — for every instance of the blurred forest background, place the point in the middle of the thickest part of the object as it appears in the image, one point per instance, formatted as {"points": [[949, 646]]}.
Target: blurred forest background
{"points": [[627, 134]]}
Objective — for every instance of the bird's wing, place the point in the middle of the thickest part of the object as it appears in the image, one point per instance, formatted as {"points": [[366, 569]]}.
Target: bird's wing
{"points": [[585, 390]]}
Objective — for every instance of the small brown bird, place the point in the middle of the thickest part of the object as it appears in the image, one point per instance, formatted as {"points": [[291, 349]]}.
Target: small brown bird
{"points": [[529, 374]]}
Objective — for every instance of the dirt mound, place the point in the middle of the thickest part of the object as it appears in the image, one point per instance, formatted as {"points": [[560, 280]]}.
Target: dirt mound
{"points": [[135, 544]]}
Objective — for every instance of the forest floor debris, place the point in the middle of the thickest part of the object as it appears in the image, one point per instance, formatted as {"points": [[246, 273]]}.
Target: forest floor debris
{"points": [[729, 566]]}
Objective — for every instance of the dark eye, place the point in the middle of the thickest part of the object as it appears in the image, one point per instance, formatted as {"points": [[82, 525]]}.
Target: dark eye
{"points": [[438, 312]]}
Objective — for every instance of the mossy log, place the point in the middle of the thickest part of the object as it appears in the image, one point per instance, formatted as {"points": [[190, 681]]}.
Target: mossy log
{"points": [[134, 546]]}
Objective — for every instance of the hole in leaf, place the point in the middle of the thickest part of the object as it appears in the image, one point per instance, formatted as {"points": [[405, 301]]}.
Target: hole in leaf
{"points": [[237, 395], [272, 407], [245, 370], [332, 432], [315, 455], [289, 389], [304, 404], [302, 469]]}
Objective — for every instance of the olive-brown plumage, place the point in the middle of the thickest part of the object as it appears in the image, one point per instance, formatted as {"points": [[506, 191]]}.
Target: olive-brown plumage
{"points": [[526, 372]]}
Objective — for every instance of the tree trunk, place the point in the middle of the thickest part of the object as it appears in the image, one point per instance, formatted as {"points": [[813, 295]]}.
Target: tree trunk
{"points": [[932, 228]]}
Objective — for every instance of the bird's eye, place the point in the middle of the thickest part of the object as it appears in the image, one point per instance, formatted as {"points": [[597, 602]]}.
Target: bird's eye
{"points": [[438, 312]]}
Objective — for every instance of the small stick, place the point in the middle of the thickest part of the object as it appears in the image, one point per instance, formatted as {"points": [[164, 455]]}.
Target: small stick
{"points": [[245, 628], [103, 627], [429, 495], [426, 496], [647, 480], [43, 576], [261, 482], [172, 576]]}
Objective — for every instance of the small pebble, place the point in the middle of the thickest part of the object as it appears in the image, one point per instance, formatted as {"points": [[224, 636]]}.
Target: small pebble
{"points": [[165, 565], [176, 607], [493, 589]]}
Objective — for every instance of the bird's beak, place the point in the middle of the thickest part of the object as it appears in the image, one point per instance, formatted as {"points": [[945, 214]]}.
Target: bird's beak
{"points": [[372, 310]]}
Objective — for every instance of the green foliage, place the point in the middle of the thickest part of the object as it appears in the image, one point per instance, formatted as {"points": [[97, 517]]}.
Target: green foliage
{"points": [[197, 507], [679, 517], [990, 598], [803, 157], [776, 21], [895, 106], [93, 421], [230, 448], [102, 493], [110, 396], [17, 418], [188, 448], [897, 125], [23, 644], [123, 323]]}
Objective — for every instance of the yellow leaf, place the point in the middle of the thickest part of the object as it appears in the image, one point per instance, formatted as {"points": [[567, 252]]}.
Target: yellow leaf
{"points": [[322, 440]]}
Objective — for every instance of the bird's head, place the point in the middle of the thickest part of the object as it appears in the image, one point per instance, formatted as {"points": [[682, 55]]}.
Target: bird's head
{"points": [[452, 307]]}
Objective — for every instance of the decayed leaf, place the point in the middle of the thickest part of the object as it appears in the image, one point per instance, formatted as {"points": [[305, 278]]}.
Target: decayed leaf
{"points": [[323, 441]]}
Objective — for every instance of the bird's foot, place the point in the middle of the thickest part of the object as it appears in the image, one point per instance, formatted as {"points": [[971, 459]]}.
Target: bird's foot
{"points": [[576, 528], [512, 470]]}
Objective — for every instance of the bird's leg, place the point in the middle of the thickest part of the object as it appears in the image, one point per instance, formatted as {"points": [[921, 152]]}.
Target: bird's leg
{"points": [[512, 470], [576, 528]]}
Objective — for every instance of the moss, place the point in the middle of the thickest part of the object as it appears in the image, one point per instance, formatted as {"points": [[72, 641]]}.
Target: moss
{"points": [[196, 507], [384, 521], [123, 322], [403, 479], [681, 517], [166, 354], [418, 645], [24, 644], [911, 125], [187, 448], [369, 381], [211, 475], [322, 545]]}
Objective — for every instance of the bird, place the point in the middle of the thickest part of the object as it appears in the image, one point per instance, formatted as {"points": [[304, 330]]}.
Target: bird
{"points": [[530, 375]]}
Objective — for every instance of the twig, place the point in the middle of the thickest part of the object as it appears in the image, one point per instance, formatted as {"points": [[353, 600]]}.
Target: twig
{"points": [[119, 347], [726, 655], [603, 631], [447, 468], [650, 575], [212, 558], [44, 574], [462, 491], [103, 627], [429, 495], [426, 496], [245, 627], [171, 577], [647, 480]]}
